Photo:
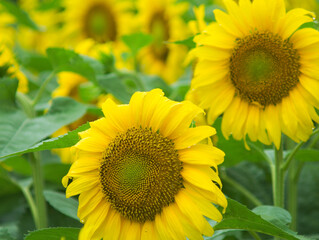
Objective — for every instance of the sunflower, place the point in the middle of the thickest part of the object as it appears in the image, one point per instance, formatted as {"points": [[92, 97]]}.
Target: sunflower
{"points": [[142, 174], [104, 22], [164, 22], [10, 68], [260, 70]]}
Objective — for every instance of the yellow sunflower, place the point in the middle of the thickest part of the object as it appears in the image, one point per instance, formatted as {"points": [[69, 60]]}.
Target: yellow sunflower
{"points": [[260, 70], [142, 174], [9, 67], [164, 22], [102, 21]]}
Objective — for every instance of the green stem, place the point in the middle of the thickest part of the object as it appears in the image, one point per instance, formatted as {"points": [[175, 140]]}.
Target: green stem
{"points": [[240, 188], [315, 140], [254, 235], [286, 164], [261, 152], [278, 178], [38, 188], [42, 88], [32, 206], [292, 194]]}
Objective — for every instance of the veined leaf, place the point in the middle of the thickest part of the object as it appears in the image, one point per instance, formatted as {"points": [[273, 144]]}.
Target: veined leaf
{"points": [[67, 206], [238, 216], [58, 233], [18, 132]]}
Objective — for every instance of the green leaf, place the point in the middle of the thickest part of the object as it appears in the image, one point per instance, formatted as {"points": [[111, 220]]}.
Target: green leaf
{"points": [[151, 82], [238, 216], [8, 88], [67, 140], [19, 132], [54, 234], [307, 155], [113, 84], [21, 16], [67, 206], [136, 41], [70, 61], [32, 60], [187, 42], [276, 215]]}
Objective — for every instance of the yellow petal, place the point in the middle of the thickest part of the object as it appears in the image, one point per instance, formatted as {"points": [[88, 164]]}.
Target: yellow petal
{"points": [[82, 184], [197, 178], [206, 208], [118, 115], [191, 211], [272, 124], [149, 231], [252, 122], [174, 126], [112, 227], [193, 136], [91, 144], [304, 37], [227, 23], [172, 222], [202, 154], [292, 21], [88, 201]]}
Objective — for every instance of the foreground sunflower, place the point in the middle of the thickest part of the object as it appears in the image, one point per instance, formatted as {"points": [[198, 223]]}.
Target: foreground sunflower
{"points": [[260, 70], [142, 174]]}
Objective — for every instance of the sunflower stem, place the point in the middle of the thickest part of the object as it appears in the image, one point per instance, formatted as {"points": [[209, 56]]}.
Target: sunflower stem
{"points": [[278, 178], [38, 189], [38, 210], [290, 157], [240, 188], [292, 195], [42, 88], [255, 235], [33, 207]]}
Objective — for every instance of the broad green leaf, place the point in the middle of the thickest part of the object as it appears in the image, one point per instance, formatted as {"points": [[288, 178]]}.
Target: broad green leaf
{"points": [[187, 42], [32, 60], [113, 84], [19, 132], [58, 233], [238, 216], [8, 232], [70, 61], [136, 41], [276, 215], [307, 155], [8, 88], [235, 151], [21, 16], [67, 206], [67, 140], [151, 81]]}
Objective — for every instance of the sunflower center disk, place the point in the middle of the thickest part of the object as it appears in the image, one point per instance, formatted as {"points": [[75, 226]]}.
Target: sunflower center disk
{"points": [[140, 174], [159, 28], [100, 24], [264, 68]]}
